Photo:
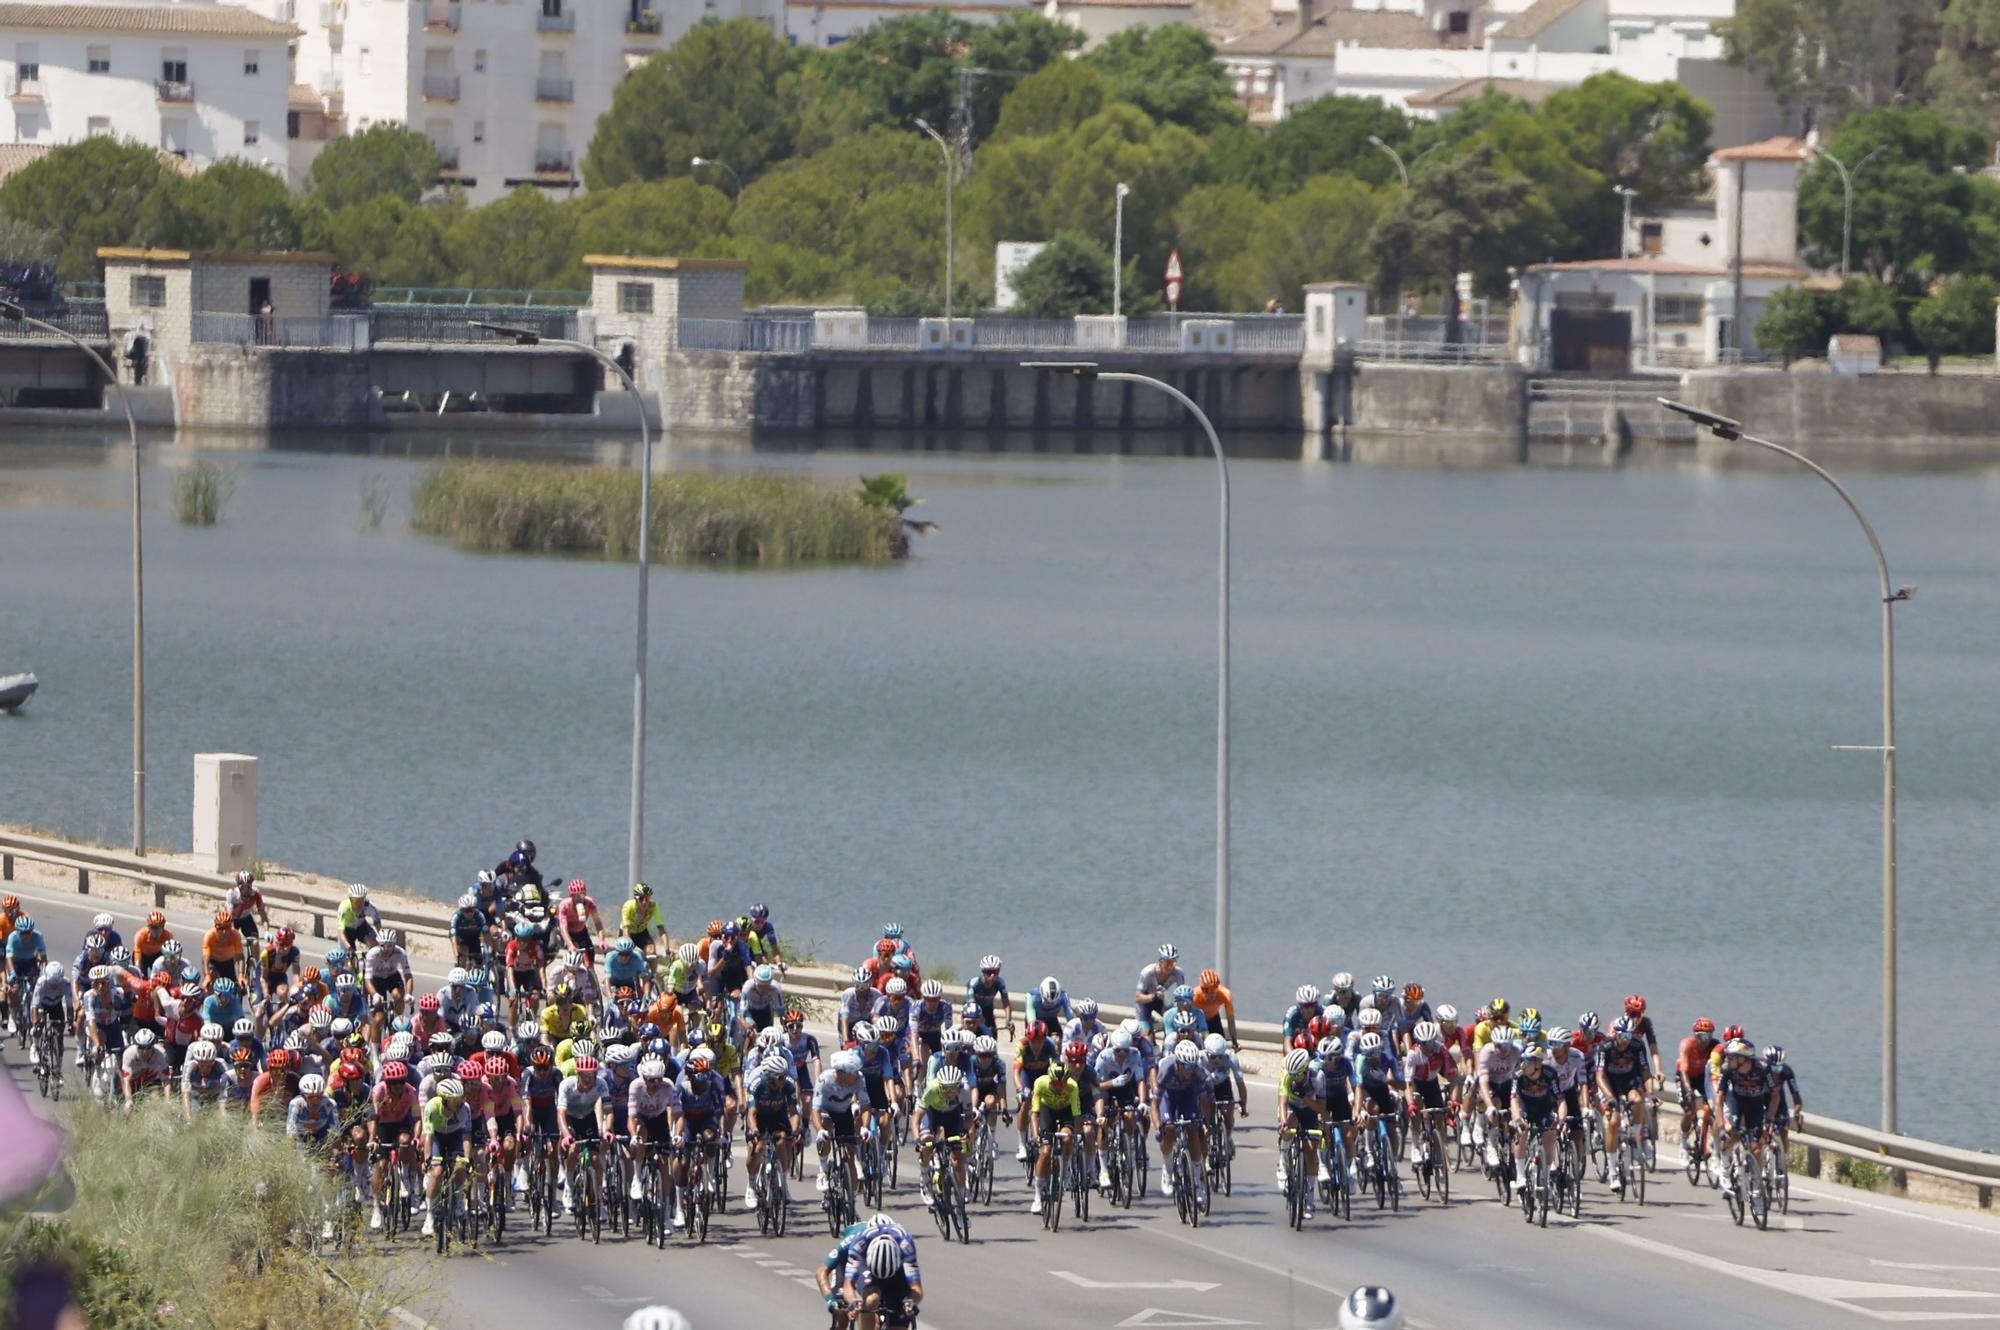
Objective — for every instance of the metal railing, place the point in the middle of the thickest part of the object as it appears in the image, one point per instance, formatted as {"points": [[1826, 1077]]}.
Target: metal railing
{"points": [[1254, 335], [440, 87], [555, 90], [336, 332], [440, 16], [25, 89], [453, 323], [1433, 353], [781, 336], [563, 22], [85, 319], [174, 90], [469, 296], [645, 24], [549, 161], [447, 156]]}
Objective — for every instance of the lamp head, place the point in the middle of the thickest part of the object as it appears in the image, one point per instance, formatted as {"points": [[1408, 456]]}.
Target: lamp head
{"points": [[1721, 426], [1376, 139], [697, 161], [520, 336], [1123, 189], [1082, 369]]}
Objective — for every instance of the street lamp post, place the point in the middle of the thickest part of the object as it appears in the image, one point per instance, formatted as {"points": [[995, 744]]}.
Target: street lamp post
{"points": [[528, 337], [735, 198], [1626, 194], [1085, 371], [1394, 156], [950, 171], [1725, 428], [1847, 192], [14, 313], [1118, 248]]}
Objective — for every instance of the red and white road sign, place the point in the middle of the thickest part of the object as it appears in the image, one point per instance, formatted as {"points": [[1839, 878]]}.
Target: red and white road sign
{"points": [[1174, 279]]}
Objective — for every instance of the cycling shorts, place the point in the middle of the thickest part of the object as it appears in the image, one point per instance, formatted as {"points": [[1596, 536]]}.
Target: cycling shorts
{"points": [[1048, 1121], [584, 1128], [1573, 1097], [247, 926], [878, 1092], [447, 1145], [1224, 1091], [840, 1123], [944, 1121], [1625, 1084], [528, 981], [771, 1119], [931, 1038], [1502, 1093], [222, 969], [1381, 1097], [1181, 1106], [641, 938], [655, 1130], [385, 986], [1539, 1114], [24, 967], [1122, 1096], [1339, 1108], [1306, 1115], [542, 1116], [1430, 1094], [1697, 1085], [1745, 1112]]}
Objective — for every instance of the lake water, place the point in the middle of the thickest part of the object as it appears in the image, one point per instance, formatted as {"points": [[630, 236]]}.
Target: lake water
{"points": [[1557, 735]]}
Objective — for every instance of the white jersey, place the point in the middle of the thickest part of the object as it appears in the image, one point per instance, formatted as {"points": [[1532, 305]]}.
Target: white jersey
{"points": [[831, 1096], [577, 1100], [645, 1102], [388, 963]]}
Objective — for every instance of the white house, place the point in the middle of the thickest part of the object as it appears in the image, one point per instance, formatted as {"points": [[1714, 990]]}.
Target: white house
{"points": [[824, 23], [509, 90], [1679, 294], [199, 80], [1429, 56]]}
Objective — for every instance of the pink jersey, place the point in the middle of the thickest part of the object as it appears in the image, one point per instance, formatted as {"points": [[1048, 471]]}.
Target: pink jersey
{"points": [[576, 913], [501, 1099], [393, 1108]]}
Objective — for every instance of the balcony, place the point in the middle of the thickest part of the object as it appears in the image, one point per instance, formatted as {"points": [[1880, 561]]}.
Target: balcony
{"points": [[645, 23], [24, 89], [563, 22], [555, 90], [447, 158], [554, 161], [440, 87], [174, 90], [332, 15], [440, 16]]}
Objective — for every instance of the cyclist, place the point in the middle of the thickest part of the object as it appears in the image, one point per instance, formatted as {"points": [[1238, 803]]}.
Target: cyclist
{"points": [[245, 905], [1056, 1104], [1033, 1058], [1621, 1082], [706, 1104], [771, 1092], [1574, 1074], [49, 1001], [392, 1126], [1186, 1104], [1427, 1066], [1076, 1056], [887, 1287], [989, 990], [469, 925], [944, 1103], [1340, 993], [1303, 1090], [359, 919], [1123, 1089], [578, 918], [930, 1018], [203, 1081], [1305, 1009], [1156, 981], [1048, 1004], [1538, 1101], [242, 1080], [1085, 1027], [1691, 1072], [222, 951], [147, 941], [1642, 1030], [1494, 1019], [447, 1125], [1589, 1036], [1792, 1112], [802, 1047], [988, 1072], [1414, 1009], [763, 1001], [1750, 1098], [581, 1110], [27, 953], [387, 966], [144, 1066], [1184, 1016], [102, 1034], [1217, 1005], [833, 1108], [762, 936], [278, 961], [1494, 1069], [639, 919], [729, 961], [1380, 1077], [1225, 1076]]}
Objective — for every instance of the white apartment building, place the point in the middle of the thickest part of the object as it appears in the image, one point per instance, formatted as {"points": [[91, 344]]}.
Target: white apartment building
{"points": [[199, 80], [508, 90], [824, 23], [1429, 56]]}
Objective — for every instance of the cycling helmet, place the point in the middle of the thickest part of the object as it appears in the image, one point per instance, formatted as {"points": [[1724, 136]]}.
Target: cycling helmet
{"points": [[1297, 1060], [1328, 1048], [457, 977], [1774, 1054], [493, 1040], [1497, 1009], [93, 942], [1382, 985], [356, 891], [1336, 1016], [985, 1046], [10, 904], [1621, 1028], [450, 1088], [1447, 1014], [972, 1013], [468, 901], [243, 1059], [312, 1085], [888, 1027], [847, 1063], [657, 1318], [640, 891], [154, 919], [1531, 1028], [1427, 1032], [100, 973], [541, 1055], [948, 1078], [989, 963], [101, 920], [1121, 1039], [280, 1059], [586, 1066], [486, 878], [760, 911], [860, 974], [1215, 1045], [732, 929], [1635, 1005], [1183, 993], [1187, 1054], [53, 970], [620, 1054], [1371, 1042], [1035, 1030], [1209, 979], [701, 1059], [931, 989], [525, 931], [896, 988], [121, 955], [885, 1257], [652, 1069], [225, 988], [576, 889], [200, 1051], [902, 963], [1531, 1014], [863, 1032], [1733, 1032], [213, 1029], [397, 1070], [1370, 1307], [427, 1002], [1130, 1025], [1086, 1008], [392, 937], [1370, 1018], [892, 931], [1588, 1022], [1413, 993], [468, 1069], [144, 1038], [1050, 989], [1703, 1025], [1075, 1051], [1558, 1036], [582, 1048], [563, 992], [441, 1039], [171, 947], [1306, 996], [344, 982], [1738, 1048], [336, 955], [884, 947], [795, 1017], [340, 1027]]}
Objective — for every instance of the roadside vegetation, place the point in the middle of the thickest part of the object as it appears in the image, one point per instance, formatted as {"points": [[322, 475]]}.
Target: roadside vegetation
{"points": [[201, 492], [731, 518]]}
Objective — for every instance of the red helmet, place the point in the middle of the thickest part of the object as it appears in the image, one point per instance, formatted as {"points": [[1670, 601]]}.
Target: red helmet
{"points": [[1303, 1040], [1703, 1025], [576, 887], [1635, 1005], [1319, 1027], [1209, 979], [1036, 1030], [311, 974], [495, 1065], [1733, 1032], [885, 948], [1413, 992], [156, 920], [715, 928], [352, 1059], [396, 1071], [1075, 1051], [284, 937], [428, 1002], [468, 1069], [584, 1066], [279, 1059]]}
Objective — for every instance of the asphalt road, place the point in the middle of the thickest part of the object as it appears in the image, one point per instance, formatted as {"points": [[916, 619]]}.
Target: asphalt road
{"points": [[1839, 1259]]}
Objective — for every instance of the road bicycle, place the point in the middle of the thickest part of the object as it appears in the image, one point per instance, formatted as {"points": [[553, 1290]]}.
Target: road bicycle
{"points": [[701, 1190], [873, 1164], [397, 1196], [773, 1190], [1536, 1196], [1500, 1161], [1180, 1172], [838, 1199], [947, 1198], [48, 1052], [1568, 1174], [543, 1183], [495, 1193], [1297, 1184], [584, 1196], [1594, 1143], [985, 1157], [1222, 1150], [1378, 1164], [1696, 1146], [1749, 1189], [449, 1220], [1052, 1186], [1432, 1163], [655, 1223], [1631, 1159], [1123, 1158]]}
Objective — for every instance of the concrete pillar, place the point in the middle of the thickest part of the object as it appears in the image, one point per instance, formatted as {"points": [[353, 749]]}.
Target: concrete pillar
{"points": [[225, 811]]}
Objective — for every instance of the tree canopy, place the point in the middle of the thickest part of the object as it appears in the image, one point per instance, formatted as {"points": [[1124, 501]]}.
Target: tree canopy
{"points": [[381, 159]]}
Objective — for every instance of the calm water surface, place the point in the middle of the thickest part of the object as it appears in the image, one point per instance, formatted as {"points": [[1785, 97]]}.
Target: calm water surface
{"points": [[1557, 735]]}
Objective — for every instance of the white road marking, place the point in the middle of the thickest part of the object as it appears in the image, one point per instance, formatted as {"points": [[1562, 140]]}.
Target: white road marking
{"points": [[1161, 1317], [1084, 1281], [409, 1318], [1823, 1289], [1919, 1265]]}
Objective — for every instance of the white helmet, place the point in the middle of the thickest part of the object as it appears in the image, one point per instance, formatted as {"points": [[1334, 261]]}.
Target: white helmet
{"points": [[1215, 1045], [201, 1051], [652, 1069], [1296, 1060], [457, 976], [1447, 1013], [1370, 1018], [895, 988], [1121, 1039], [931, 989], [1427, 1032], [985, 1045], [1370, 1307], [1329, 1047], [661, 1318], [1169, 952], [468, 901], [212, 1030], [885, 1257], [1336, 1016], [101, 920], [1130, 1025], [888, 1027], [1051, 990], [53, 970], [1343, 982], [356, 891], [949, 1078], [1187, 1054], [863, 1032], [1371, 1042], [989, 962], [1306, 996], [847, 1062], [312, 1085]]}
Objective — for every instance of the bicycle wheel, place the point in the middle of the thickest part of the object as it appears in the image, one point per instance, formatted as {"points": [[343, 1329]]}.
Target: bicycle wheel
{"points": [[1600, 1158], [1540, 1190], [1783, 1191], [959, 1215], [1081, 1185], [1638, 1171], [441, 1216], [1759, 1200], [1442, 1178], [1736, 1187], [1051, 1187], [1692, 1154]]}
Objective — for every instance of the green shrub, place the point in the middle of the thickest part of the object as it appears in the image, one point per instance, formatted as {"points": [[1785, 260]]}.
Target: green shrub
{"points": [[1862, 1173], [201, 492], [729, 518]]}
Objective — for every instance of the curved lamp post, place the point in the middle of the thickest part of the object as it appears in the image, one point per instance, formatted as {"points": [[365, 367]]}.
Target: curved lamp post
{"points": [[14, 313], [1086, 371], [528, 337], [710, 161], [1725, 428]]}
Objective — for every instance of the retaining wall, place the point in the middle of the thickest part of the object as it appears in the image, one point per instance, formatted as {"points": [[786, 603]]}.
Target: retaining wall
{"points": [[229, 387], [1481, 404], [1907, 414]]}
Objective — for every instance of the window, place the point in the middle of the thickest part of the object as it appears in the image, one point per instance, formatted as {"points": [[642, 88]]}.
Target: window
{"points": [[1676, 310], [250, 64], [479, 61], [98, 127], [250, 133], [149, 292], [1652, 237], [552, 8], [635, 297], [291, 124], [174, 71], [99, 60], [1461, 23], [479, 131], [173, 135], [362, 65]]}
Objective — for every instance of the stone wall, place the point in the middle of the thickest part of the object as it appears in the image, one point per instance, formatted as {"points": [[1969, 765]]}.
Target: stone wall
{"points": [[733, 390], [1814, 410], [229, 387], [1482, 402]]}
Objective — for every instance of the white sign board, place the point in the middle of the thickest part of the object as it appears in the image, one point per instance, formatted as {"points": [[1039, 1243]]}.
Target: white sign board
{"points": [[1009, 257]]}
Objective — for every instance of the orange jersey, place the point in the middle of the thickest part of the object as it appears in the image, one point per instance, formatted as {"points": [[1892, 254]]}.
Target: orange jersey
{"points": [[666, 1013], [147, 944], [222, 944], [1212, 1002], [1693, 1060]]}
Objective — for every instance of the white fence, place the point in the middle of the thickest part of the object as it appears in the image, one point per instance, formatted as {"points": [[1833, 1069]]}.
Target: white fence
{"points": [[336, 332], [1254, 335]]}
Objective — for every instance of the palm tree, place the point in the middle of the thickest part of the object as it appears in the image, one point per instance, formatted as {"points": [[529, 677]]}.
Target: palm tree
{"points": [[890, 492]]}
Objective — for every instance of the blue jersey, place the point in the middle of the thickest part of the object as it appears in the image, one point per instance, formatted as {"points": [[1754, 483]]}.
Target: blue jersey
{"points": [[1378, 1068], [932, 1014], [27, 946], [623, 968], [1182, 1088], [1298, 1017]]}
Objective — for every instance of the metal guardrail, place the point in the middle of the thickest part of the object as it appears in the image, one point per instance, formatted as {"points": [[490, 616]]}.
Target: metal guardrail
{"points": [[492, 297], [83, 319], [336, 332], [1432, 353], [1258, 334], [453, 323], [778, 336], [321, 907]]}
